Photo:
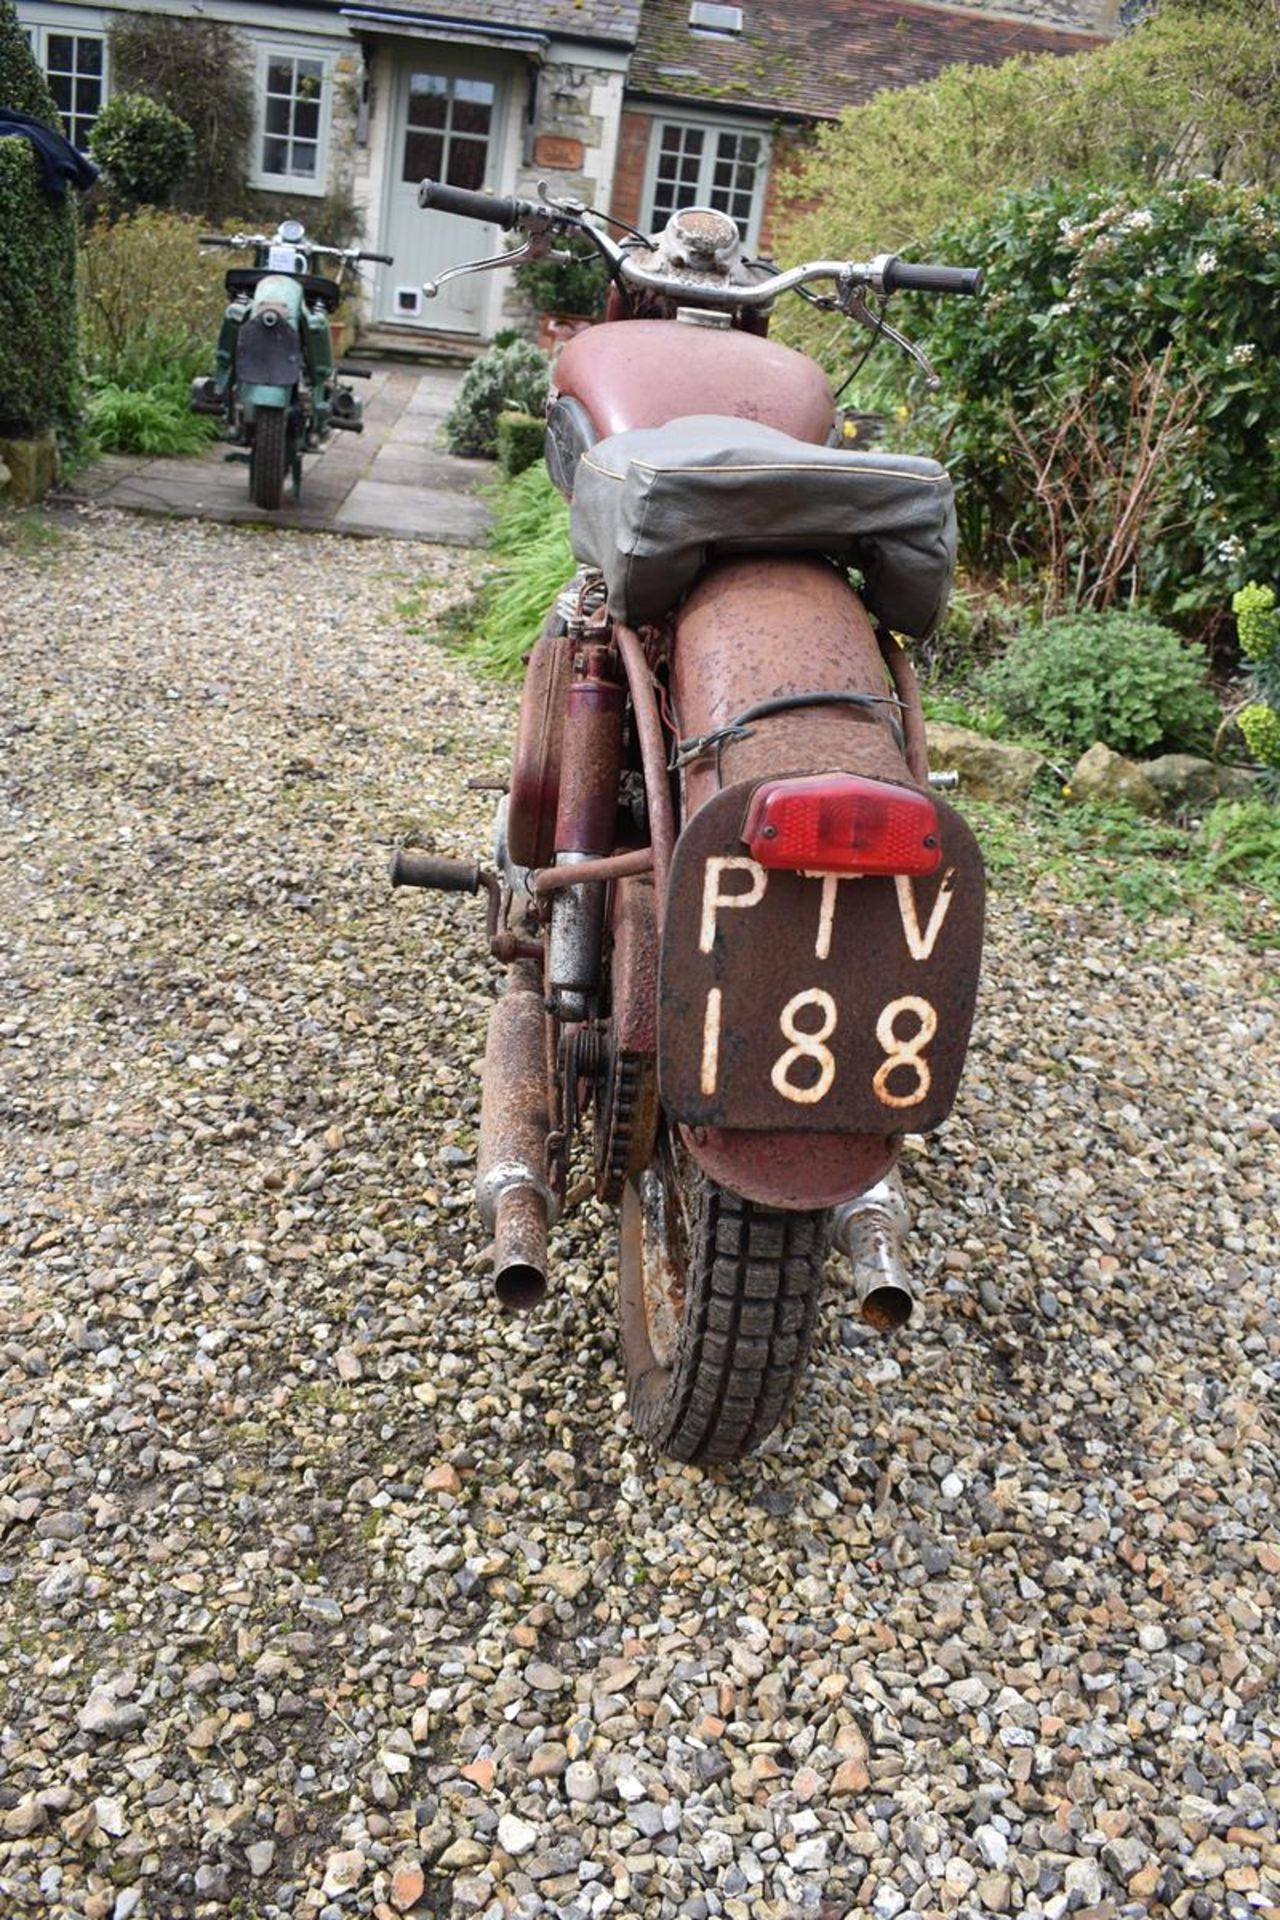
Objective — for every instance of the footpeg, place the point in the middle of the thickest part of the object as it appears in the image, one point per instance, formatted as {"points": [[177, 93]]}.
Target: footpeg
{"points": [[205, 397], [442, 876]]}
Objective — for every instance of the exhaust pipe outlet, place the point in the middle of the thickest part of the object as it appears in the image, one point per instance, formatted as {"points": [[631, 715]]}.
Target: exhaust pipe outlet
{"points": [[871, 1231], [513, 1195]]}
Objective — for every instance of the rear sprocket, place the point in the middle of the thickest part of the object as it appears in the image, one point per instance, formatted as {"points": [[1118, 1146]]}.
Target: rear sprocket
{"points": [[626, 1120]]}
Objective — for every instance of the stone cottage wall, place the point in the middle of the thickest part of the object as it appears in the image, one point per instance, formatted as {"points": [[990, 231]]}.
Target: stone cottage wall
{"points": [[573, 146]]}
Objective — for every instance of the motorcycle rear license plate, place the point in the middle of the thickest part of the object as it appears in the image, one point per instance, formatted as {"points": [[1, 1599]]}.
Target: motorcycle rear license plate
{"points": [[809, 1002]]}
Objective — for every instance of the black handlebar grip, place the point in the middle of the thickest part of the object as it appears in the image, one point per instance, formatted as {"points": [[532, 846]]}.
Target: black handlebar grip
{"points": [[435, 195], [213, 240], [908, 276], [383, 259]]}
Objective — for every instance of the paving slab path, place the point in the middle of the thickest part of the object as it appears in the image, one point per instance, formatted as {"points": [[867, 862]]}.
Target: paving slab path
{"points": [[394, 479]]}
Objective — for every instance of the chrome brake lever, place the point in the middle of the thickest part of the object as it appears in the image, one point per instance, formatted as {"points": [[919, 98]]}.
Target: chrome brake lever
{"points": [[534, 248], [854, 304]]}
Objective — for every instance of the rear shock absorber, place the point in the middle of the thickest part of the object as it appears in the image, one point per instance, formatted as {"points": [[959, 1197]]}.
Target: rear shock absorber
{"points": [[586, 825]]}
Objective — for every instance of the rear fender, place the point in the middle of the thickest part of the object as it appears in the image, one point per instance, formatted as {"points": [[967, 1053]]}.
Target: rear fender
{"points": [[755, 629], [253, 397], [805, 1023]]}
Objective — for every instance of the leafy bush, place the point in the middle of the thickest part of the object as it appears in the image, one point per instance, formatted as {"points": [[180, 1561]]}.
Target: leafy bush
{"points": [[1194, 87], [38, 356], [150, 301], [151, 420], [1121, 678], [200, 69], [150, 304], [512, 376], [1120, 376], [575, 285], [1240, 840], [144, 148]]}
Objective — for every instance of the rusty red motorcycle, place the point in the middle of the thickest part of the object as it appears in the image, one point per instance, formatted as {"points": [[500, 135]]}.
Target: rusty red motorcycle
{"points": [[742, 933]]}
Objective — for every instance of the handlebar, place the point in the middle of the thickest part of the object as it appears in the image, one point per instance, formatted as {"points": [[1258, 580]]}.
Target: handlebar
{"points": [[240, 241], [885, 274]]}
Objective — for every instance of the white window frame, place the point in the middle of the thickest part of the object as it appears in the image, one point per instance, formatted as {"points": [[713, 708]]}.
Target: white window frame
{"points": [[38, 32], [318, 185], [711, 129]]}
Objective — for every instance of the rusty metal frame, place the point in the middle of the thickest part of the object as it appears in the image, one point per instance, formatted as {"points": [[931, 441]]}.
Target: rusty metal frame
{"points": [[653, 760], [907, 688], [614, 866]]}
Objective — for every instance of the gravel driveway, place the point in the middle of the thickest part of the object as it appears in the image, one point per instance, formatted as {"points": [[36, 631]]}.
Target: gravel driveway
{"points": [[326, 1590]]}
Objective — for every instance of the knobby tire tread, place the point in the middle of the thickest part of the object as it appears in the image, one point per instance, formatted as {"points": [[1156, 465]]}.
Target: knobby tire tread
{"points": [[752, 1294]]}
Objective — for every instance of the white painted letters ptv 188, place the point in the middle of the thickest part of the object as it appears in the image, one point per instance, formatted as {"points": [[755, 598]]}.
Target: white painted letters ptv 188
{"points": [[809, 1043]]}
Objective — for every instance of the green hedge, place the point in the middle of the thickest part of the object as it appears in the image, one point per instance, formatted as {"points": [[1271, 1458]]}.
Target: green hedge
{"points": [[38, 347], [22, 85], [521, 437]]}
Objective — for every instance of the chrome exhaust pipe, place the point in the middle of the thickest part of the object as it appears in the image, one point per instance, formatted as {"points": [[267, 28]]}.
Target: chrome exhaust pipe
{"points": [[513, 1195], [871, 1231]]}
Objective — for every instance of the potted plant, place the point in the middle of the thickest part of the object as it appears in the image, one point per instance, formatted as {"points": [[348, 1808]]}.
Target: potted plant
{"points": [[568, 294]]}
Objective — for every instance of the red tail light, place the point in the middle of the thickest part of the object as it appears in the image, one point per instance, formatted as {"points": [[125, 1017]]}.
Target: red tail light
{"points": [[840, 823]]}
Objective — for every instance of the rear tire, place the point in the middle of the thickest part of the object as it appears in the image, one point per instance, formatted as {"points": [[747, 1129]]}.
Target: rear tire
{"points": [[717, 1302], [269, 457]]}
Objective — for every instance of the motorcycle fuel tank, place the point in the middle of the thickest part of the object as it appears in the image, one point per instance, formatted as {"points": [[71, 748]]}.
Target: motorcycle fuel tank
{"points": [[642, 373]]}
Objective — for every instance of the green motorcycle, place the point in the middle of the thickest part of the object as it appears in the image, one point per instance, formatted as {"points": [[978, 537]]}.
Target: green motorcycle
{"points": [[276, 385]]}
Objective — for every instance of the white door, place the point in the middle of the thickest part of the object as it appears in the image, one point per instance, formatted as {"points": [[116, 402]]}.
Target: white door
{"points": [[447, 126]]}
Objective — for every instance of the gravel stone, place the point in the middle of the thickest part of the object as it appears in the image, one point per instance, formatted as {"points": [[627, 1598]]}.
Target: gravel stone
{"points": [[320, 1574], [515, 1835], [582, 1783], [992, 1845]]}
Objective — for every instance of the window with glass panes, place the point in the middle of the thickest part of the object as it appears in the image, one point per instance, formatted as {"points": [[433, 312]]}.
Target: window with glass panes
{"points": [[73, 64], [447, 129], [707, 167], [293, 99]]}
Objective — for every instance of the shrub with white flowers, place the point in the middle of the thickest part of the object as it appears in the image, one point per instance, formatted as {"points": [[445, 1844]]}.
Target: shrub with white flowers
{"points": [[1082, 289]]}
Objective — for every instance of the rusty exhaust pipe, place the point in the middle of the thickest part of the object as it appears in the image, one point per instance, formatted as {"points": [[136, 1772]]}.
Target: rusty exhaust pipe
{"points": [[513, 1195], [871, 1231]]}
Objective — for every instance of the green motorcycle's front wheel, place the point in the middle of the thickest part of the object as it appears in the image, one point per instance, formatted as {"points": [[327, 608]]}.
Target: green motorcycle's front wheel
{"points": [[269, 458]]}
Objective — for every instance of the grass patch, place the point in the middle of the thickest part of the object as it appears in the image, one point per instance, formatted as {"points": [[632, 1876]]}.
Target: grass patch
{"points": [[495, 626], [1228, 867]]}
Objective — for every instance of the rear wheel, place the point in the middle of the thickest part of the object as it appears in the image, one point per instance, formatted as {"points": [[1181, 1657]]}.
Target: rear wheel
{"points": [[269, 457], [717, 1301]]}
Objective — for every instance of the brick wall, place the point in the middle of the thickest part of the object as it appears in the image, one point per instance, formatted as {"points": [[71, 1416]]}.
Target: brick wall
{"points": [[628, 173]]}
